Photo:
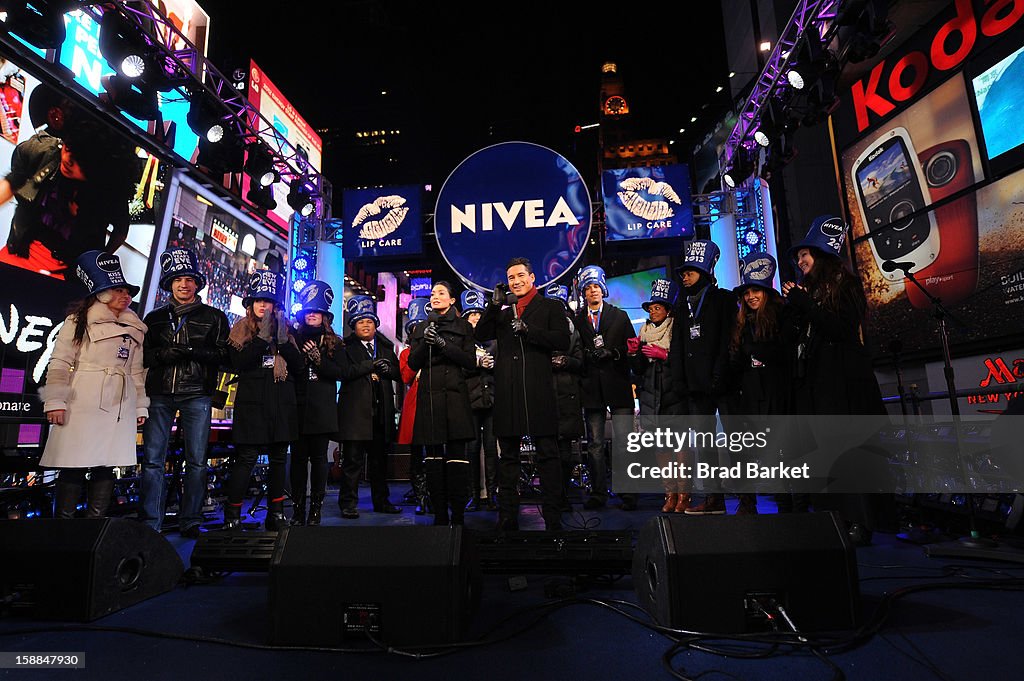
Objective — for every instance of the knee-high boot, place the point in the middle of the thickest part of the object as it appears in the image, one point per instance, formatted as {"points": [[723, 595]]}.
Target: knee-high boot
{"points": [[436, 486], [66, 498], [98, 493], [316, 503], [275, 520], [299, 509]]}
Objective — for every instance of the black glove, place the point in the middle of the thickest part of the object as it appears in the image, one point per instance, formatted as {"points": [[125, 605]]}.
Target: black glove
{"points": [[432, 337], [381, 366], [498, 295], [266, 327], [798, 298], [175, 353], [519, 327], [601, 354]]}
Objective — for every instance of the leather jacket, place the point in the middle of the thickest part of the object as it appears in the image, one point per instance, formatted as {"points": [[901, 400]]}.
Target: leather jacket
{"points": [[184, 350]]}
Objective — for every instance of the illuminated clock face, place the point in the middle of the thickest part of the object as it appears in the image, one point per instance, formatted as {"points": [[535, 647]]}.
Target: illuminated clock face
{"points": [[615, 105]]}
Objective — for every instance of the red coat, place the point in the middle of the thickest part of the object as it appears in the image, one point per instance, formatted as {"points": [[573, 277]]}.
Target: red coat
{"points": [[410, 378]]}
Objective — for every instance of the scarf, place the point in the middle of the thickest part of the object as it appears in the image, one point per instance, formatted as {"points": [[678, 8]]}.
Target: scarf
{"points": [[242, 334], [181, 310], [657, 334], [525, 300]]}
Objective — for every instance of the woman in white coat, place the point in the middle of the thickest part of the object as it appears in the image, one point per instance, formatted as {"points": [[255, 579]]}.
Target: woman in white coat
{"points": [[95, 391]]}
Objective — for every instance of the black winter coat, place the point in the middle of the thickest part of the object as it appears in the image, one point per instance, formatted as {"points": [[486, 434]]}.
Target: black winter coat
{"points": [[761, 371], [833, 373], [702, 364], [266, 410], [316, 386], [185, 352], [655, 389], [522, 367], [568, 387], [607, 383], [356, 399], [480, 382], [443, 412]]}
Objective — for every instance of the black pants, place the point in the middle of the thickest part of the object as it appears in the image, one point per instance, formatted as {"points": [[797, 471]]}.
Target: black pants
{"points": [[375, 454], [704, 405], [309, 452], [483, 419], [549, 468], [241, 470]]}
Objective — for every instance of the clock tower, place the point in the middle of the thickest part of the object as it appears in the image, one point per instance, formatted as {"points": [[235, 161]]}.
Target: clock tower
{"points": [[614, 108]]}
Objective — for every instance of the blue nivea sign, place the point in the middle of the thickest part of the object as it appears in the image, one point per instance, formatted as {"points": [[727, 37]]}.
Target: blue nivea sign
{"points": [[382, 222], [514, 199], [647, 203]]}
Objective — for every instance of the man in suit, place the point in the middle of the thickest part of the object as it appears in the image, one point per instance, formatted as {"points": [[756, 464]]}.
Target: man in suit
{"points": [[366, 407], [607, 387], [527, 332]]}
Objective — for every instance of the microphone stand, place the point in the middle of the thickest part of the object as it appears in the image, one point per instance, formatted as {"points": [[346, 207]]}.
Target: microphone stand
{"points": [[974, 542]]}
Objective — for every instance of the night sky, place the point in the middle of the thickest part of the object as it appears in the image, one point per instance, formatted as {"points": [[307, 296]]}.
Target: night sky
{"points": [[466, 76]]}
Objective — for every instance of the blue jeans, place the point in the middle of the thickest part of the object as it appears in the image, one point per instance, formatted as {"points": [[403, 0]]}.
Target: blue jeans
{"points": [[195, 426], [597, 463]]}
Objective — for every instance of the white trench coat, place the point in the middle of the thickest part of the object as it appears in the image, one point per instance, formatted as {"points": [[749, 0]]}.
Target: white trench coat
{"points": [[103, 393]]}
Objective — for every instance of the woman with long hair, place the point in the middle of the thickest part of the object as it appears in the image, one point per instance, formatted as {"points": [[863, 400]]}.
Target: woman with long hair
{"points": [[442, 348], [316, 390], [832, 371], [263, 353], [759, 354], [95, 392]]}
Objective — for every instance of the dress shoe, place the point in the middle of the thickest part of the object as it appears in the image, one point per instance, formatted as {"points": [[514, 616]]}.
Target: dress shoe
{"points": [[713, 504], [349, 513], [682, 503], [193, 532], [671, 499], [387, 508]]}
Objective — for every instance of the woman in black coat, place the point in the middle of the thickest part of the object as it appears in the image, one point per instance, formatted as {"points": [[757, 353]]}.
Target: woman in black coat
{"points": [[833, 372], [568, 367], [264, 355], [655, 388], [760, 353], [316, 388], [443, 349]]}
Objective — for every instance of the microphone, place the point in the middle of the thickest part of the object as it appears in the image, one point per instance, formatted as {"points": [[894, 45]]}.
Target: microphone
{"points": [[512, 299], [890, 266]]}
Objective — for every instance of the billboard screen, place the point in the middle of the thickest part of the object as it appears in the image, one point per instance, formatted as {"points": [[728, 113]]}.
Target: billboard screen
{"points": [[382, 222], [647, 203], [288, 126]]}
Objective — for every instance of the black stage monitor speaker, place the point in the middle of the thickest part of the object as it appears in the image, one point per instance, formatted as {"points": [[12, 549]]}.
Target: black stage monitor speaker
{"points": [[412, 585], [722, 573], [83, 569]]}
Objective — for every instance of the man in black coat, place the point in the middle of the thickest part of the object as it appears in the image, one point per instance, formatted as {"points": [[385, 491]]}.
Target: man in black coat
{"points": [[527, 332], [568, 369], [699, 354], [607, 386], [186, 344], [366, 407]]}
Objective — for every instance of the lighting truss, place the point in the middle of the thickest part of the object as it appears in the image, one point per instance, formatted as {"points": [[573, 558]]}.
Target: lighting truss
{"points": [[822, 13]]}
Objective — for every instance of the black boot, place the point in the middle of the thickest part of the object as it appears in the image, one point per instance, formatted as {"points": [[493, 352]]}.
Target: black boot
{"points": [[66, 498], [299, 509], [275, 520], [492, 499], [232, 517], [98, 501], [458, 506], [419, 486], [440, 505], [316, 503]]}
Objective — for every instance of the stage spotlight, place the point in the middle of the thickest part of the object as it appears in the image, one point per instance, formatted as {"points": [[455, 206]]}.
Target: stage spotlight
{"points": [[259, 165], [301, 263], [207, 119], [222, 157], [39, 23], [761, 138], [795, 79], [128, 50], [138, 102], [742, 168], [261, 197], [300, 198], [298, 285]]}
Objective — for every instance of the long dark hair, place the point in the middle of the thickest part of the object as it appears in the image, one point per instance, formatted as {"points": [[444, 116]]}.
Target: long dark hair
{"points": [[764, 320], [828, 279], [80, 312]]}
